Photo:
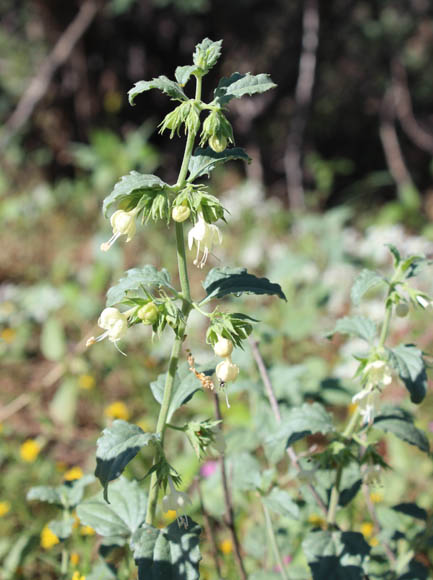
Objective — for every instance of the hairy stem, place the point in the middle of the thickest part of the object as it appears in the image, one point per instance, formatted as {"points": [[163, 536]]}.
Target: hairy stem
{"points": [[180, 333]]}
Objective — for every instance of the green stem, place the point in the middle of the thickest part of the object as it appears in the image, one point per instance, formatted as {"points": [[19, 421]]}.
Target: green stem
{"points": [[335, 496], [385, 326], [180, 333], [274, 544]]}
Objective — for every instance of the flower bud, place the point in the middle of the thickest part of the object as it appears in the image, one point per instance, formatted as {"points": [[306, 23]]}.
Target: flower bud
{"points": [[180, 213], [148, 313], [223, 348], [217, 144], [402, 309], [227, 371]]}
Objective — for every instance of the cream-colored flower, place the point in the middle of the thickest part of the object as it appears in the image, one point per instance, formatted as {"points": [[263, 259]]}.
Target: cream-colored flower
{"points": [[123, 224], [115, 324], [205, 236], [180, 213], [226, 371], [223, 348], [378, 374]]}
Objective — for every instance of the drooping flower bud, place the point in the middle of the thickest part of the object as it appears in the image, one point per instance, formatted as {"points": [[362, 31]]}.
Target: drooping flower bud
{"points": [[115, 324], [227, 371], [148, 313], [402, 309], [206, 235], [218, 144], [223, 348], [180, 213]]}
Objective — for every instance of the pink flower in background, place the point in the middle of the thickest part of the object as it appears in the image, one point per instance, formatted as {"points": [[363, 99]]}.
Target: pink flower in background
{"points": [[286, 560], [208, 468]]}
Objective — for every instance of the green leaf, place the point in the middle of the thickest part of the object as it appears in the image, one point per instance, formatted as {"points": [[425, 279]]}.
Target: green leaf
{"points": [[116, 447], [297, 424], [204, 160], [408, 361], [400, 423], [162, 83], [62, 528], [122, 516], [411, 509], [239, 85], [359, 326], [67, 495], [366, 280], [64, 403], [280, 502], [184, 387], [245, 470], [53, 341], [101, 571], [183, 73], [147, 279], [223, 281], [132, 188], [324, 480], [170, 553], [336, 555], [207, 53]]}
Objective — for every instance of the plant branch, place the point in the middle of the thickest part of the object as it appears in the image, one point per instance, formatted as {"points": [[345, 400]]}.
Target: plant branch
{"points": [[274, 544], [276, 410], [229, 516]]}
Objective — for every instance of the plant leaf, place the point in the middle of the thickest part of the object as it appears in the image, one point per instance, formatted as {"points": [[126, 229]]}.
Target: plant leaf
{"points": [[366, 280], [280, 502], [67, 495], [170, 553], [122, 516], [336, 555], [207, 53], [408, 361], [359, 326], [183, 73], [147, 278], [116, 447], [183, 389], [131, 188], [204, 160], [411, 509], [237, 86], [223, 281], [162, 83], [62, 528], [400, 423]]}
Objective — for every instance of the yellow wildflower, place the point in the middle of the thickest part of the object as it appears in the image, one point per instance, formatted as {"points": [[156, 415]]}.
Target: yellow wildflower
{"points": [[48, 538], [29, 450], [77, 576], [226, 547], [351, 408], [76, 522], [86, 382], [8, 335], [145, 425], [87, 531], [367, 529], [117, 410], [170, 515], [73, 473], [74, 558], [376, 496], [316, 520], [5, 507], [374, 542]]}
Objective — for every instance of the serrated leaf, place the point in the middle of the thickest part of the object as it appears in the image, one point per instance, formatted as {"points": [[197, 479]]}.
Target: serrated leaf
{"points": [[68, 495], [336, 555], [147, 278], [170, 553], [223, 281], [122, 516], [408, 361], [162, 83], [359, 326], [183, 73], [116, 447], [62, 528], [297, 424], [411, 509], [366, 280], [183, 389], [280, 502], [131, 188], [400, 423], [324, 481], [204, 160], [238, 86], [101, 571], [207, 53]]}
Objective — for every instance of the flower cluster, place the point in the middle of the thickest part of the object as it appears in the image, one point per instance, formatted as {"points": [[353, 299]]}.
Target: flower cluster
{"points": [[226, 371], [377, 374]]}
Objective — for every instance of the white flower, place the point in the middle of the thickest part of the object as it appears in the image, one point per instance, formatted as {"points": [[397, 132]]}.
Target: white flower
{"points": [[176, 501], [223, 348], [368, 400], [378, 374], [226, 371], [204, 235], [123, 224], [423, 301], [115, 324]]}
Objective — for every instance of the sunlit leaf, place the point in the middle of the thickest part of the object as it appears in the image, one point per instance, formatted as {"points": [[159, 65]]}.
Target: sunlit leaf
{"points": [[223, 281], [408, 361], [203, 161], [162, 83]]}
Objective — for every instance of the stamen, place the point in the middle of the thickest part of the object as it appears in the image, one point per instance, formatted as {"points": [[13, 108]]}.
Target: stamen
{"points": [[107, 245], [121, 351], [90, 341]]}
